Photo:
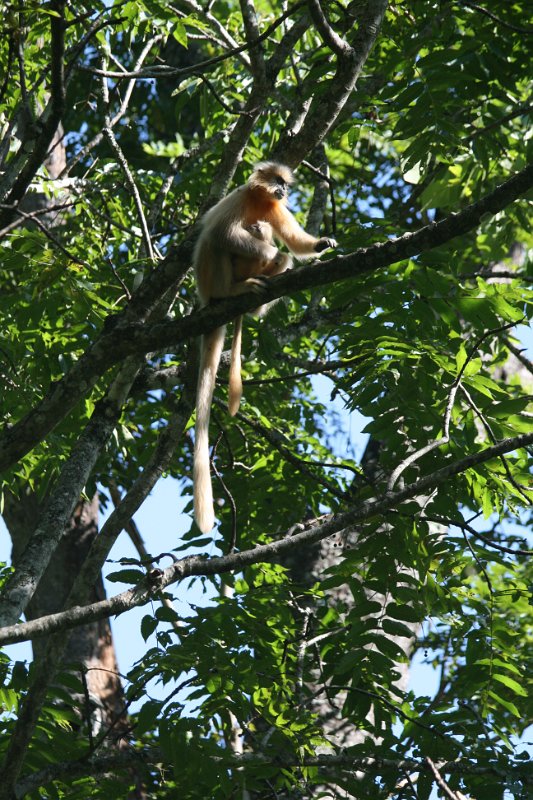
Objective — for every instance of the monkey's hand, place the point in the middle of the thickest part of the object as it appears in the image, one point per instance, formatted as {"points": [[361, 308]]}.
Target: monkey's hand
{"points": [[324, 244]]}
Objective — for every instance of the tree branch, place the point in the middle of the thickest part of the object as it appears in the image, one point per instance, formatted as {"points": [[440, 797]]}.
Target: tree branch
{"points": [[21, 584], [50, 118], [200, 565], [166, 72], [445, 438], [326, 107], [332, 39]]}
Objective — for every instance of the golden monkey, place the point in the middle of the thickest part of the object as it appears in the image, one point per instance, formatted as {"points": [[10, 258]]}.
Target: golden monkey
{"points": [[233, 255]]}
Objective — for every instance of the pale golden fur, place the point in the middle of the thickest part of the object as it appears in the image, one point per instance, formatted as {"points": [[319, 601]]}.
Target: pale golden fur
{"points": [[234, 254]]}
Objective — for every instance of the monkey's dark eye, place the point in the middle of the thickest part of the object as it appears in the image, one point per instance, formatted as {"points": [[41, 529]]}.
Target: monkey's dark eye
{"points": [[281, 182]]}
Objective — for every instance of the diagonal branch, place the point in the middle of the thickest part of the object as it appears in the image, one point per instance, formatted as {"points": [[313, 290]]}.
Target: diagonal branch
{"points": [[164, 71], [21, 584], [128, 339], [330, 37], [125, 340], [45, 671], [200, 565], [133, 760]]}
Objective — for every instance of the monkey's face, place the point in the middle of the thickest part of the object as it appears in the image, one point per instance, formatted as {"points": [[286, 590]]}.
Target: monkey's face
{"points": [[272, 178], [281, 192], [279, 187], [274, 184]]}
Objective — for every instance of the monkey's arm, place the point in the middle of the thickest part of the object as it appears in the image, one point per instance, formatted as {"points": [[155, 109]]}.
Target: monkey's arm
{"points": [[294, 236]]}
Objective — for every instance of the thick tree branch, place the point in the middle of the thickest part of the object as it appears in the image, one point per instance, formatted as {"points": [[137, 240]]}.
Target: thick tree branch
{"points": [[351, 59], [251, 28], [200, 565], [123, 340], [21, 585], [46, 669], [332, 39]]}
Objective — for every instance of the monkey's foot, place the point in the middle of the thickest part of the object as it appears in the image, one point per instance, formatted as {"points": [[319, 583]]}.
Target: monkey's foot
{"points": [[258, 285]]}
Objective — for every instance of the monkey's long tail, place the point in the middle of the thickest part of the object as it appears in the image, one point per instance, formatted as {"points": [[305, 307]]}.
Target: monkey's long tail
{"points": [[212, 345], [235, 380]]}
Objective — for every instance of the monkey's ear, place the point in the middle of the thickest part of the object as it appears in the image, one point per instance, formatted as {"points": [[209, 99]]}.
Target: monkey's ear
{"points": [[324, 244]]}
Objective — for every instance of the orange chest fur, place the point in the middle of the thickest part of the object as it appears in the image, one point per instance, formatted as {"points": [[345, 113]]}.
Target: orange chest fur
{"points": [[260, 206]]}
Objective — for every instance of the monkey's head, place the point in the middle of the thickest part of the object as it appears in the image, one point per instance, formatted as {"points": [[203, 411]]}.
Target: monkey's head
{"points": [[272, 178]]}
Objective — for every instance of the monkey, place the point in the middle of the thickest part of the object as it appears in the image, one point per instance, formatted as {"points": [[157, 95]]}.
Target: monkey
{"points": [[234, 253]]}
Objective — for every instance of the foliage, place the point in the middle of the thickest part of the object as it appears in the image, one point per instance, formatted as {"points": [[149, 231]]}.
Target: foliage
{"points": [[424, 347]]}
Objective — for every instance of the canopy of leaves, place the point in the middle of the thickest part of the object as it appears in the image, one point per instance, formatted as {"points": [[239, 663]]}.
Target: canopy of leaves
{"points": [[162, 107]]}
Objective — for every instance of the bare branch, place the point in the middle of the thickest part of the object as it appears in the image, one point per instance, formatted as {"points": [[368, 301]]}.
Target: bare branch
{"points": [[31, 216], [518, 354], [21, 585], [135, 759], [163, 71], [460, 523], [251, 28], [440, 780], [224, 34], [276, 439], [84, 151], [121, 158]]}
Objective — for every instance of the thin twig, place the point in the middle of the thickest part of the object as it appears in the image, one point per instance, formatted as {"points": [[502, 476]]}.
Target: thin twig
{"points": [[164, 71], [34, 218], [275, 438], [488, 429], [26, 216], [117, 116], [492, 16], [460, 523], [236, 111], [519, 354], [121, 158], [440, 780]]}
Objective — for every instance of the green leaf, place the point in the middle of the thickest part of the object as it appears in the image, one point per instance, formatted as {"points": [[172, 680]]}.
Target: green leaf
{"points": [[132, 576], [179, 32], [511, 684], [148, 626], [405, 612], [506, 704]]}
